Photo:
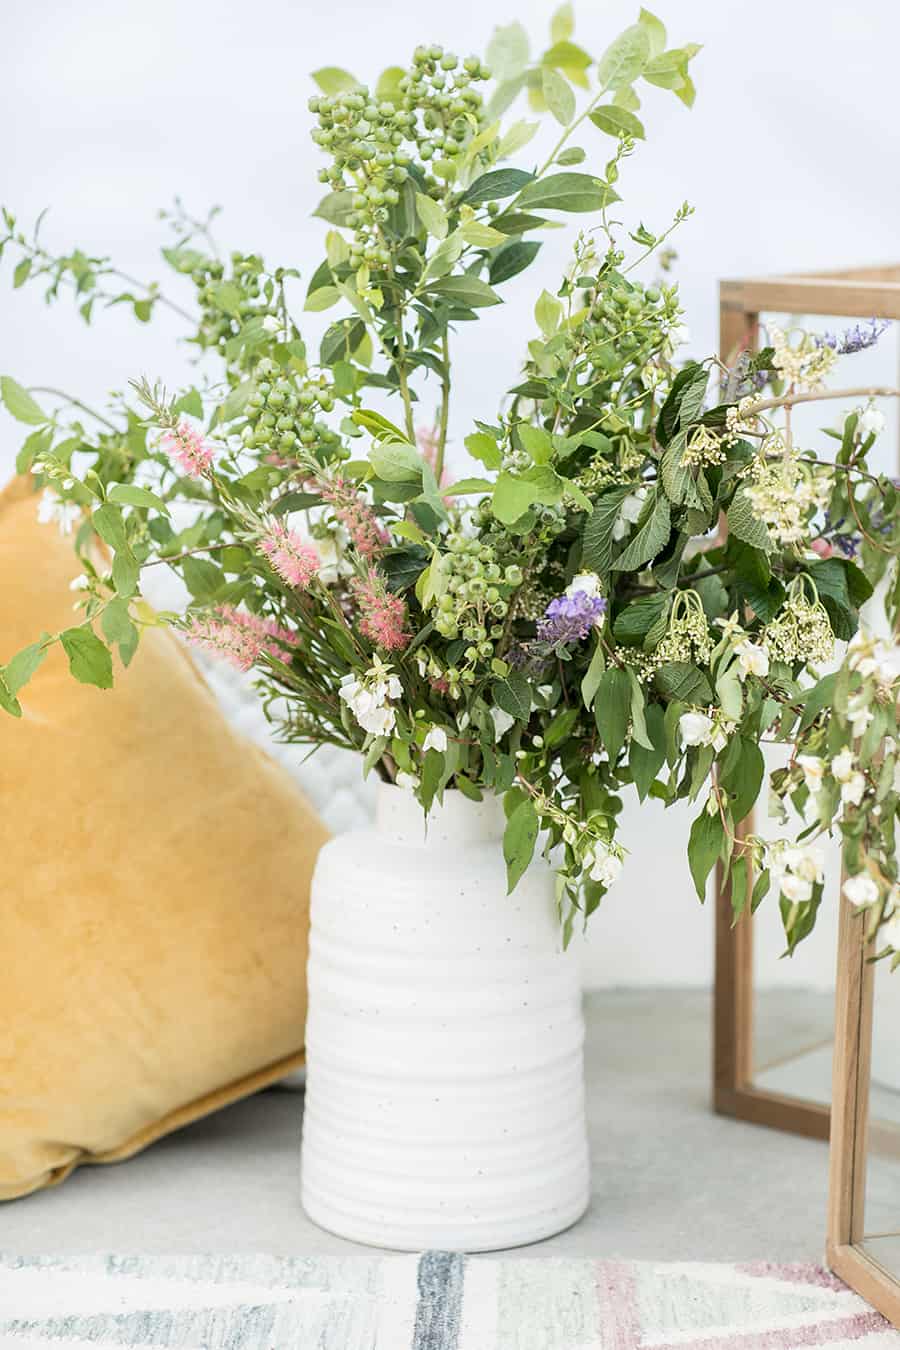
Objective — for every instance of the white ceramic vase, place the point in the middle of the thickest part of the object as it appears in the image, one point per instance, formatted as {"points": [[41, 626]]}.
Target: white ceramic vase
{"points": [[445, 1089]]}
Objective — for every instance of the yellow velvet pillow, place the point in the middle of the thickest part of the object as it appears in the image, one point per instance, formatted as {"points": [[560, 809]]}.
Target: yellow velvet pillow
{"points": [[155, 891]]}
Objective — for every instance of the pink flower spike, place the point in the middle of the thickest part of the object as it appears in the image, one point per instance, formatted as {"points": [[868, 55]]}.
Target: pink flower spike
{"points": [[382, 615], [186, 446], [357, 517], [295, 561], [239, 637]]}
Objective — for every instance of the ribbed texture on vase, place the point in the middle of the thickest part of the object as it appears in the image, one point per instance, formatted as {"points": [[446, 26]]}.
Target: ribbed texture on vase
{"points": [[444, 1099]]}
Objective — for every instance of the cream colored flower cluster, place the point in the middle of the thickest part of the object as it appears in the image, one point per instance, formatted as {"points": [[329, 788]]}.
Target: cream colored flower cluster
{"points": [[800, 631], [704, 448], [804, 364], [783, 491]]}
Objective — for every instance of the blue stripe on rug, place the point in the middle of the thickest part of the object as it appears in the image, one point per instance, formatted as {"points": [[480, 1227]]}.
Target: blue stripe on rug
{"points": [[440, 1279]]}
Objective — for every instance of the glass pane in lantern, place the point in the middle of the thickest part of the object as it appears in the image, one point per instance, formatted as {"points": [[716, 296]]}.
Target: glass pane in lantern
{"points": [[881, 1228]]}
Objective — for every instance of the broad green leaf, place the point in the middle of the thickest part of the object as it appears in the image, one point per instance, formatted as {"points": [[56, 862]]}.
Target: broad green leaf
{"points": [[374, 422], [646, 763], [512, 497], [483, 447], [8, 702], [33, 447], [519, 839], [202, 577], [704, 846], [548, 313], [322, 299], [89, 659], [618, 122], [649, 538], [109, 523], [558, 94], [333, 80], [119, 629], [496, 184], [228, 297], [633, 623], [131, 495], [612, 709], [516, 138], [745, 778], [465, 290], [479, 235], [656, 32], [568, 192], [24, 664], [562, 24], [745, 525], [19, 402], [511, 259], [335, 207], [574, 155], [388, 90], [536, 441], [683, 681], [597, 544], [432, 215], [513, 695], [625, 58], [396, 461], [465, 487], [125, 572], [21, 273], [508, 52], [740, 875]]}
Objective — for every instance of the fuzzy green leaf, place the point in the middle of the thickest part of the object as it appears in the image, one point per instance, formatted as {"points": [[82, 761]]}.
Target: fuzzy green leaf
{"points": [[89, 660]]}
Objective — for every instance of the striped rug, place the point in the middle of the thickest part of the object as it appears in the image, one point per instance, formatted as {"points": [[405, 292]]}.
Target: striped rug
{"points": [[437, 1301]]}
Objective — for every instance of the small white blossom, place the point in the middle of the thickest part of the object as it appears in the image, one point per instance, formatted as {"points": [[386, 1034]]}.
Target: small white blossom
{"points": [[79, 583], [585, 583], [813, 771], [842, 765], [406, 780], [502, 721], [753, 658], [795, 888], [696, 728], [871, 422], [435, 740], [861, 890], [605, 867], [52, 507], [633, 505], [271, 324], [852, 789]]}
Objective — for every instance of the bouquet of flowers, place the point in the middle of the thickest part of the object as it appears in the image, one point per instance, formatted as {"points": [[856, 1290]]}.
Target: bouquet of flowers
{"points": [[644, 579]]}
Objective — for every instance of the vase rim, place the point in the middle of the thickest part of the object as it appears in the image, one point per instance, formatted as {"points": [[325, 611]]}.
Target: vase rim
{"points": [[455, 820]]}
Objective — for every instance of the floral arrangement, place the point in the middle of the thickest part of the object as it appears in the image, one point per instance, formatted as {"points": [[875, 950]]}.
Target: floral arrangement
{"points": [[645, 579]]}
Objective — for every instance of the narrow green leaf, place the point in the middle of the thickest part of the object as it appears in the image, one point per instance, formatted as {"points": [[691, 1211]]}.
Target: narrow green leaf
{"points": [[465, 290], [432, 215], [519, 839], [568, 192], [495, 185], [618, 122], [131, 495], [559, 96], [333, 80], [19, 402], [704, 846], [612, 709]]}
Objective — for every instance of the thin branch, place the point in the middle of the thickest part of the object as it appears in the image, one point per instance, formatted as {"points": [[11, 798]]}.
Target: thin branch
{"points": [[788, 401], [76, 403]]}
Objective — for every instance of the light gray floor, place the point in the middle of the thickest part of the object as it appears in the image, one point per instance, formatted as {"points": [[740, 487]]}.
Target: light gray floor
{"points": [[671, 1180]]}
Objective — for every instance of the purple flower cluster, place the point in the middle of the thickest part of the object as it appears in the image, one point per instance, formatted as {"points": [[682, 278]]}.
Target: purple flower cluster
{"points": [[569, 618], [855, 339]]}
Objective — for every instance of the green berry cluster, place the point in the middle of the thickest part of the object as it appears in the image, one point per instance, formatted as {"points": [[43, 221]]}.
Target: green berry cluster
{"points": [[475, 601], [221, 315], [635, 316], [282, 414], [435, 110]]}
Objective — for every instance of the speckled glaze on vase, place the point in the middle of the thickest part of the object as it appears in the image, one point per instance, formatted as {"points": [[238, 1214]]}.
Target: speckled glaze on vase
{"points": [[445, 1088]]}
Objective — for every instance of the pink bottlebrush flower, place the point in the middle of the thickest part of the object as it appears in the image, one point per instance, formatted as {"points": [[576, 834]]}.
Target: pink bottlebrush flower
{"points": [[382, 615], [239, 637], [369, 538], [295, 561], [186, 446], [234, 643]]}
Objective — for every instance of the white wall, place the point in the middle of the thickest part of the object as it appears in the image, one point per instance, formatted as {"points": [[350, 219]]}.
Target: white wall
{"points": [[789, 157]]}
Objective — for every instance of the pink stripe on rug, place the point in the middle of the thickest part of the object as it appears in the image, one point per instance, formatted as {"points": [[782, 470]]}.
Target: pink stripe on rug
{"points": [[617, 1306], [817, 1333], [795, 1273]]}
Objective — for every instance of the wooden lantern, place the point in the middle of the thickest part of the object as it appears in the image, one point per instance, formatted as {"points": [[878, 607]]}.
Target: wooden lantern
{"points": [[870, 1264], [862, 293]]}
